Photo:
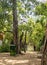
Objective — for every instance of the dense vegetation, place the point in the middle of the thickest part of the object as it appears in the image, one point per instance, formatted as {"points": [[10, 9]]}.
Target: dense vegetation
{"points": [[31, 17]]}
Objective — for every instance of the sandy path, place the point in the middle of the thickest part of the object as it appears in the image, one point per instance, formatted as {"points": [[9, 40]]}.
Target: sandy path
{"points": [[30, 58]]}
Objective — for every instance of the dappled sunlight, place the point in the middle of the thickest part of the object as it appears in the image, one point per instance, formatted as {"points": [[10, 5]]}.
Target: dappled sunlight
{"points": [[30, 58], [0, 60], [2, 64], [11, 61], [23, 32], [16, 61]]}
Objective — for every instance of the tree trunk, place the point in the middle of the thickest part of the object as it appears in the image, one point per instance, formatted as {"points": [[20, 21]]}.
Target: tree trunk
{"points": [[21, 37], [15, 26], [44, 56], [25, 45]]}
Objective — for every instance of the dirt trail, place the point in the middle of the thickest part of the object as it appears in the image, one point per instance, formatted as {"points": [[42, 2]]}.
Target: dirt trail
{"points": [[30, 58]]}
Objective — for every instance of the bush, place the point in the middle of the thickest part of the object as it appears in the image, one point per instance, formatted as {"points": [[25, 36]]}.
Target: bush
{"points": [[4, 48], [38, 47], [12, 53]]}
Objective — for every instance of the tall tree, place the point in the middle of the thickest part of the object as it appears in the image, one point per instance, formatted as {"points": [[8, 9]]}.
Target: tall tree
{"points": [[42, 10], [15, 26], [44, 56]]}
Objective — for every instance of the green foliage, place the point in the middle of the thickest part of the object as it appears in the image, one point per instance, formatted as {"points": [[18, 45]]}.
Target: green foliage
{"points": [[41, 9], [37, 34], [35, 30], [12, 53], [5, 48]]}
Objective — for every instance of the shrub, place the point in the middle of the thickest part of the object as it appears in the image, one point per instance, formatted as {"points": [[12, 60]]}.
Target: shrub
{"points": [[4, 48]]}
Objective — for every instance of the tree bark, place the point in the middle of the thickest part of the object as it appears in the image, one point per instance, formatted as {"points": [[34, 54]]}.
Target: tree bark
{"points": [[44, 56], [15, 26], [25, 45]]}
